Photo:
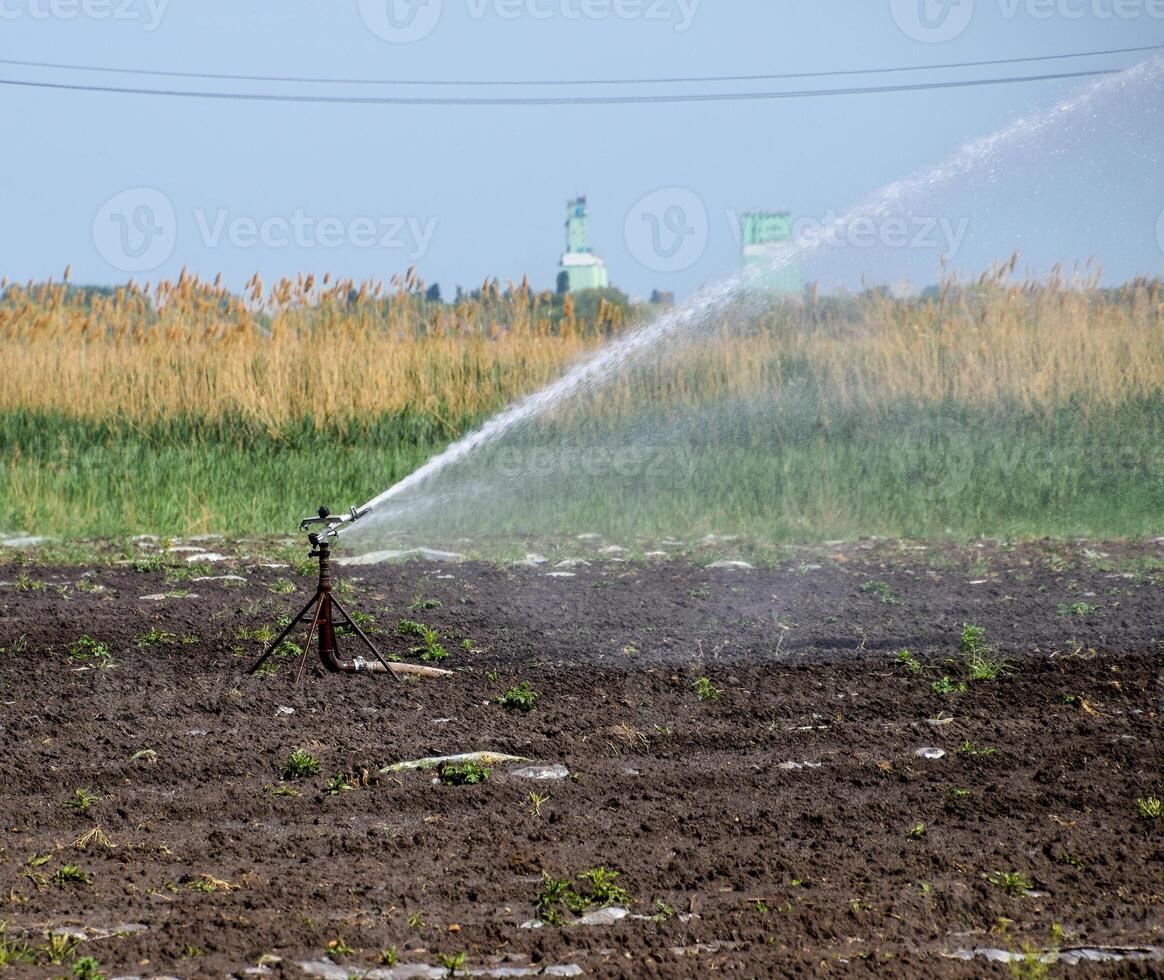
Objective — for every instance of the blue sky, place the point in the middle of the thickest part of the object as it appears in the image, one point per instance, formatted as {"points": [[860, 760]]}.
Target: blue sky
{"points": [[465, 193]]}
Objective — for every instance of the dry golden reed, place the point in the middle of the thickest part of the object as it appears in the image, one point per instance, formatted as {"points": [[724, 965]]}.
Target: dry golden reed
{"points": [[338, 351]]}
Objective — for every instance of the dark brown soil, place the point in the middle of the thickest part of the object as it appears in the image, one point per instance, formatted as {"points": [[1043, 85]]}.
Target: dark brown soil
{"points": [[737, 863]]}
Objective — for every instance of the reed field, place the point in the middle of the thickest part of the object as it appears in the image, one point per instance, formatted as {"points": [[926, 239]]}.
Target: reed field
{"points": [[992, 407]]}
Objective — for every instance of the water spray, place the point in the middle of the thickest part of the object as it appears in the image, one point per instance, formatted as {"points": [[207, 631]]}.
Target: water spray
{"points": [[420, 489], [324, 611]]}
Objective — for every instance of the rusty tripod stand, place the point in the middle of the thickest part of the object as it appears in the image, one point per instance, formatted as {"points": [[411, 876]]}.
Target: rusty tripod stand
{"points": [[321, 612]]}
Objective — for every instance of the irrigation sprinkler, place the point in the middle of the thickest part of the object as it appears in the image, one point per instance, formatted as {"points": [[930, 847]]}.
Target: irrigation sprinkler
{"points": [[324, 612]]}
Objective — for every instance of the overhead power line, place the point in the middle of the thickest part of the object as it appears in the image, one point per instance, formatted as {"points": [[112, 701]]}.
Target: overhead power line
{"points": [[409, 100], [694, 79]]}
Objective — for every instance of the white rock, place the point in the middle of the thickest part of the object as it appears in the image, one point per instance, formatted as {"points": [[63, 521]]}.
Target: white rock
{"points": [[730, 564], [556, 771], [603, 917], [24, 541], [379, 557], [161, 596], [560, 575], [930, 753], [210, 556]]}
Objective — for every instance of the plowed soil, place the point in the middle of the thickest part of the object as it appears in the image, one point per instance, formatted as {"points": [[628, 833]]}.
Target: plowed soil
{"points": [[784, 825]]}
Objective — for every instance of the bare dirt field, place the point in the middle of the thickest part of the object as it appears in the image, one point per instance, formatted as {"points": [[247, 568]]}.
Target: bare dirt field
{"points": [[744, 746]]}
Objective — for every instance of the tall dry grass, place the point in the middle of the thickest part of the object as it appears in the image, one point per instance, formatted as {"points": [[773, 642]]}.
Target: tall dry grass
{"points": [[338, 351]]}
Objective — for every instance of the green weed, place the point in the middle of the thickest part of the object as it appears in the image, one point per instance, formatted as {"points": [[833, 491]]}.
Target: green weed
{"points": [[81, 800], [948, 686], [980, 665], [340, 783], [705, 690], [973, 639], [85, 648], [70, 874], [155, 637], [519, 698], [906, 659], [465, 774], [87, 968], [1149, 808], [451, 962], [559, 895], [299, 765], [1011, 882], [881, 591]]}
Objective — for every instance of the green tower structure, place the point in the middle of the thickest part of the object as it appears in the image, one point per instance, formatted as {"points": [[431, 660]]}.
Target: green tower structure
{"points": [[583, 269], [768, 253]]}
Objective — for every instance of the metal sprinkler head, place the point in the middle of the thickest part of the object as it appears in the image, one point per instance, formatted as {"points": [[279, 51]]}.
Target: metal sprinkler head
{"points": [[324, 612]]}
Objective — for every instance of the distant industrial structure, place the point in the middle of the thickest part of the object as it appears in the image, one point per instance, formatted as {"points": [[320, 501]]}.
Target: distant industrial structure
{"points": [[580, 268], [768, 253]]}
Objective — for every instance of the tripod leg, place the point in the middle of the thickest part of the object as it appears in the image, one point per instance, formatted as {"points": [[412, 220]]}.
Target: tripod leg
{"points": [[282, 636], [307, 645], [363, 636]]}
